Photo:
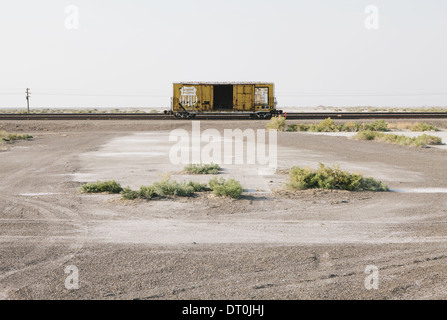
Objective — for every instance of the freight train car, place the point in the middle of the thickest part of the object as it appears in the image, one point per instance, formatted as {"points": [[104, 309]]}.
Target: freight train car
{"points": [[254, 98]]}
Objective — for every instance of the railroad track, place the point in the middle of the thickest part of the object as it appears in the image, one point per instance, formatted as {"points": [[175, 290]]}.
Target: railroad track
{"points": [[227, 116]]}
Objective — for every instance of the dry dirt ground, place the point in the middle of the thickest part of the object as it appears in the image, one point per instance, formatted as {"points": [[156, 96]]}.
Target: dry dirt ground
{"points": [[269, 245]]}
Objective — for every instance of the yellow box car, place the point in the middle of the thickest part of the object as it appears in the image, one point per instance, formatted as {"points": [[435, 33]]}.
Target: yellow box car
{"points": [[255, 98]]}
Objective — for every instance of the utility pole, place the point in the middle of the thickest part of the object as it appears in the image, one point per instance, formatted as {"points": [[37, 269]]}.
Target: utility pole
{"points": [[27, 98]]}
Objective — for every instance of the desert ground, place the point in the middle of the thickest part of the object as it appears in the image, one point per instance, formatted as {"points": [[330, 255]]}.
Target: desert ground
{"points": [[270, 244]]}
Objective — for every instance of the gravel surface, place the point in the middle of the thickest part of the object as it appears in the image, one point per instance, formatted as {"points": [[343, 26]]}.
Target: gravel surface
{"points": [[276, 245]]}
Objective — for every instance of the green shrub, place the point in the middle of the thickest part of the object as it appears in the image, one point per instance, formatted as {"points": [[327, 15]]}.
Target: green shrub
{"points": [[108, 186], [367, 135], [198, 187], [420, 141], [351, 127], [173, 188], [202, 168], [429, 140], [5, 136], [166, 187], [421, 127], [327, 125], [277, 123], [297, 127], [378, 125], [13, 137], [331, 178], [147, 192], [129, 194], [222, 188]]}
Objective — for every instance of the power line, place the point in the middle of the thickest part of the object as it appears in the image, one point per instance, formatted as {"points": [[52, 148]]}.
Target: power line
{"points": [[101, 95], [278, 94], [358, 94]]}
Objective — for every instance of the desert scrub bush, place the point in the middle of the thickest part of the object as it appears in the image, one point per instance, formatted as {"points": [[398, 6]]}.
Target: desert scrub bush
{"points": [[297, 127], [168, 187], [367, 135], [164, 188], [307, 127], [331, 178], [129, 194], [99, 187], [420, 141], [350, 127], [223, 188], [198, 187], [276, 123], [147, 192], [5, 136], [422, 127], [429, 140], [378, 125], [328, 125], [402, 125], [202, 168]]}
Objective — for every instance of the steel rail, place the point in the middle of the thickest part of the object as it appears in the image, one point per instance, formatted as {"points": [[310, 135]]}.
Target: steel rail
{"points": [[226, 116]]}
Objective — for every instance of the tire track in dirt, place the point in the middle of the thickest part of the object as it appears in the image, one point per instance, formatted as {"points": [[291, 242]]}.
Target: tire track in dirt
{"points": [[47, 245]]}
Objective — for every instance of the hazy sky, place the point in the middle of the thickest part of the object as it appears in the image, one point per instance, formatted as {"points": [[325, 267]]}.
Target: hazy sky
{"points": [[129, 52]]}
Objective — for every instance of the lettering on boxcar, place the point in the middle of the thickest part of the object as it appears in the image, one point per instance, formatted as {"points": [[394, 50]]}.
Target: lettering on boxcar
{"points": [[188, 97]]}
